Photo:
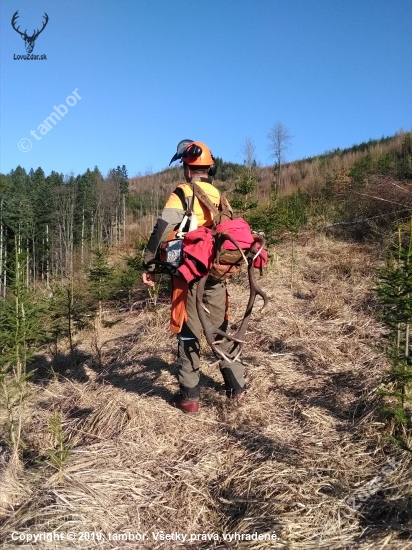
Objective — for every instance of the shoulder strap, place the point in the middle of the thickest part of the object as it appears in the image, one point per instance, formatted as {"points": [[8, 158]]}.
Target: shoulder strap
{"points": [[181, 194], [224, 212], [202, 197], [189, 222]]}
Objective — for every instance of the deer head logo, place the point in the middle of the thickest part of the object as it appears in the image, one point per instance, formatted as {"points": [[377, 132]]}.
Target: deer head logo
{"points": [[28, 40]]}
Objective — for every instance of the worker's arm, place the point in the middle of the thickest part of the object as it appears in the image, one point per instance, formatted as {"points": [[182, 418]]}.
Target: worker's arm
{"points": [[170, 218]]}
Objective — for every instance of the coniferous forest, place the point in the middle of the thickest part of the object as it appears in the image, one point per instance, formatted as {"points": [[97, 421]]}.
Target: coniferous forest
{"points": [[56, 221], [85, 356]]}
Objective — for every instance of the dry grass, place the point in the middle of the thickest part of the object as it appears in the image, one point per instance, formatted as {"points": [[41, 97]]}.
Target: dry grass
{"points": [[309, 436]]}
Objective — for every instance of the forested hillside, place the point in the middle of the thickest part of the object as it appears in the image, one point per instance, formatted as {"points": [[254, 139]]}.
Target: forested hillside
{"points": [[58, 220], [320, 454]]}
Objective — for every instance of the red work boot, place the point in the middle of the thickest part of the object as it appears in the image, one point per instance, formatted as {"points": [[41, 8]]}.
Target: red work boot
{"points": [[179, 402]]}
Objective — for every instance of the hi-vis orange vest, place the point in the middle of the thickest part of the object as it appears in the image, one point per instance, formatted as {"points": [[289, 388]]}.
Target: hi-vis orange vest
{"points": [[203, 214], [178, 314]]}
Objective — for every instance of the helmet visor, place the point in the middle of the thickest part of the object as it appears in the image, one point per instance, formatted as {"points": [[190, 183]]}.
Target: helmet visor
{"points": [[181, 146]]}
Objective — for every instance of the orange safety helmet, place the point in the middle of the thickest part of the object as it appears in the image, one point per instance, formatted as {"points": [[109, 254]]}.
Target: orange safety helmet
{"points": [[193, 153]]}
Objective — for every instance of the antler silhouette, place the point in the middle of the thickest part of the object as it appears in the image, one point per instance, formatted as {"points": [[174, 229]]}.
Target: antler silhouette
{"points": [[13, 21], [28, 40], [233, 352]]}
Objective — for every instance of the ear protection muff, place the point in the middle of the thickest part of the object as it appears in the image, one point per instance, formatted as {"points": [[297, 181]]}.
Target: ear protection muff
{"points": [[193, 151], [213, 168]]}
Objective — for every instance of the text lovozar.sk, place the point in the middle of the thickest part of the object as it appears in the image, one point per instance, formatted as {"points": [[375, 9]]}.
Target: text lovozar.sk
{"points": [[31, 57]]}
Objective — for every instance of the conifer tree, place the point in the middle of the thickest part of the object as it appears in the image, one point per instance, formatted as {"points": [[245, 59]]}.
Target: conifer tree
{"points": [[246, 181], [22, 329], [101, 277], [395, 296], [69, 311]]}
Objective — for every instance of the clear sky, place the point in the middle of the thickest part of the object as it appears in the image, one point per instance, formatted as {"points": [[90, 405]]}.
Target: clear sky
{"points": [[137, 76]]}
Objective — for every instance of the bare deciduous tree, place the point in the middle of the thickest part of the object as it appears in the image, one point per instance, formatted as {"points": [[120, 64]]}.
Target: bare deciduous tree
{"points": [[279, 138], [248, 152]]}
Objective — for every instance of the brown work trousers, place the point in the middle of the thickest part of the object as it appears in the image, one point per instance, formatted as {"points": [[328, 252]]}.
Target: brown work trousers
{"points": [[214, 298]]}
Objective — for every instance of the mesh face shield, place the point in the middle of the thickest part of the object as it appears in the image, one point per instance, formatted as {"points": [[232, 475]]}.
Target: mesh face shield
{"points": [[181, 146]]}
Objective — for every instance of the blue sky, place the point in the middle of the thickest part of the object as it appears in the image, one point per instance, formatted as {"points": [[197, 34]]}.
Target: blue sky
{"points": [[152, 72]]}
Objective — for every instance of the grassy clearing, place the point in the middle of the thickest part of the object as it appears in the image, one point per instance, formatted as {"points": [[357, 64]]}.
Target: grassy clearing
{"points": [[306, 456]]}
